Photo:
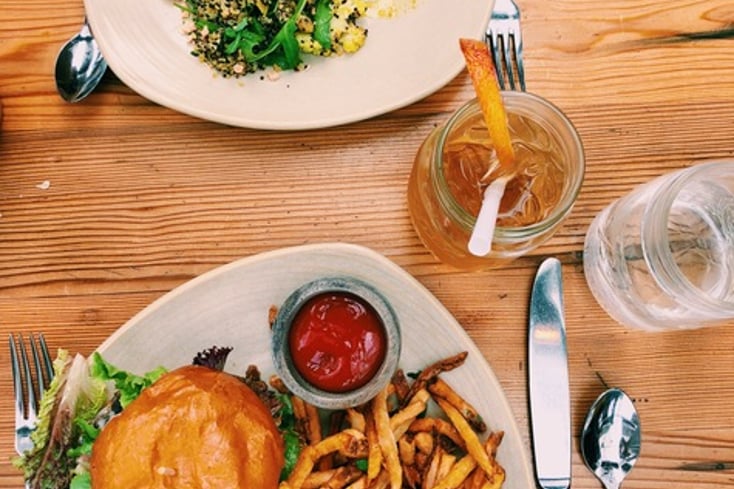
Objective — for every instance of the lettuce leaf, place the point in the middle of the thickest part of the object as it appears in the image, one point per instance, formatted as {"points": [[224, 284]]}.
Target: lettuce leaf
{"points": [[292, 443], [81, 481], [128, 384]]}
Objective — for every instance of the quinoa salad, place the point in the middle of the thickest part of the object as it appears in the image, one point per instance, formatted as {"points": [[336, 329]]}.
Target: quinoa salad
{"points": [[237, 37]]}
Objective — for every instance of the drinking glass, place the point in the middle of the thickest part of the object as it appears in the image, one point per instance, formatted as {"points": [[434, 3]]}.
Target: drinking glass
{"points": [[542, 136], [662, 257]]}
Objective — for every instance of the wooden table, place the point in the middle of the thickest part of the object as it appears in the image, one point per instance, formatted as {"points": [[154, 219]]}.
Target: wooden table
{"points": [[142, 199]]}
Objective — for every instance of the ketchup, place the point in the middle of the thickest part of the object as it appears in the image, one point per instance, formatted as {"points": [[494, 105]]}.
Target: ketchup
{"points": [[337, 341]]}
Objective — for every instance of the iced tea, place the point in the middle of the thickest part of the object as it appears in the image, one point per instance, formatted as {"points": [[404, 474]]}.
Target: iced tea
{"points": [[456, 163]]}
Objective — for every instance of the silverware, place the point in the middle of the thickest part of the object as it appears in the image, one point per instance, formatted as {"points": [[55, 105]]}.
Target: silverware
{"points": [[550, 405], [79, 66], [504, 38], [610, 439], [28, 385]]}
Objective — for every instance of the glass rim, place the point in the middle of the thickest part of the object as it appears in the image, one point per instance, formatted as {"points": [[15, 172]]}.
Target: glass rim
{"points": [[569, 141]]}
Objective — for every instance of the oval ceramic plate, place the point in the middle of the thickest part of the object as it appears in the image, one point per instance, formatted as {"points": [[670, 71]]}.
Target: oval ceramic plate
{"points": [[405, 58], [229, 306]]}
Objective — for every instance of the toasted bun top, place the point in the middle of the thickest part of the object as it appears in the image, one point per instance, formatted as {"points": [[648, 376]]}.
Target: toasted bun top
{"points": [[195, 428]]}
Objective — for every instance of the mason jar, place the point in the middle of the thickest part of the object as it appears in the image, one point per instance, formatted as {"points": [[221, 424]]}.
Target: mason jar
{"points": [[662, 257], [444, 225]]}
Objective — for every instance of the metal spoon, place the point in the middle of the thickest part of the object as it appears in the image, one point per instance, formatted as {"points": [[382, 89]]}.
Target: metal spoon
{"points": [[610, 439], [79, 66]]}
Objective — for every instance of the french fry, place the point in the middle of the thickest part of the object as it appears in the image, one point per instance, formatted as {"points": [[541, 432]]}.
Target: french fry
{"points": [[437, 425], [272, 314], [313, 423], [277, 384], [480, 66], [318, 478], [480, 480], [458, 473], [424, 442], [496, 481], [411, 476], [400, 381], [406, 415], [350, 443], [387, 439], [422, 460], [356, 419], [493, 442], [445, 465], [441, 389], [431, 475], [299, 411], [344, 475], [332, 478], [406, 450], [476, 479], [374, 454], [382, 481], [429, 373], [473, 445]]}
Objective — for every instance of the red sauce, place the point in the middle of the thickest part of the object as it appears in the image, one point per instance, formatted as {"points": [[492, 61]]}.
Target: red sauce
{"points": [[337, 342]]}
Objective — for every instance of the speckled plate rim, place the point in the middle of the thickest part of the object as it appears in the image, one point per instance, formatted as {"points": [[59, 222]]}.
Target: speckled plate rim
{"points": [[228, 306], [405, 59]]}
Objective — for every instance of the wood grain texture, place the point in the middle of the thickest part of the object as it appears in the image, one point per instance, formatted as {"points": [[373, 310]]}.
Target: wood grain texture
{"points": [[142, 199]]}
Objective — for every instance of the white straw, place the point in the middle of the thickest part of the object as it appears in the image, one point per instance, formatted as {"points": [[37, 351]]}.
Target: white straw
{"points": [[480, 242]]}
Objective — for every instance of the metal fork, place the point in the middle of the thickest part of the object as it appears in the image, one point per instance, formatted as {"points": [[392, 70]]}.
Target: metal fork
{"points": [[505, 42], [27, 390]]}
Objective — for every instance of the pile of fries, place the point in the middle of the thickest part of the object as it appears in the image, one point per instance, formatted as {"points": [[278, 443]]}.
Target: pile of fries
{"points": [[389, 442]]}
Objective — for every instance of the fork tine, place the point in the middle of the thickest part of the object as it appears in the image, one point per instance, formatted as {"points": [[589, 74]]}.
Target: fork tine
{"points": [[17, 381], [26, 366], [508, 57], [48, 364], [519, 64], [495, 49], [44, 371], [37, 364]]}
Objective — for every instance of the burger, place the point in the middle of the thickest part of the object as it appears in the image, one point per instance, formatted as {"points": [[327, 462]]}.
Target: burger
{"points": [[193, 427]]}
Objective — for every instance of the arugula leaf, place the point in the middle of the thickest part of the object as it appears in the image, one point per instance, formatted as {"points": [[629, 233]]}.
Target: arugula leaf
{"points": [[291, 441], [285, 39], [322, 23]]}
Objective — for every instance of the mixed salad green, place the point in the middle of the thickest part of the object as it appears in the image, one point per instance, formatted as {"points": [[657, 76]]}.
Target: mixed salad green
{"points": [[236, 37], [87, 392]]}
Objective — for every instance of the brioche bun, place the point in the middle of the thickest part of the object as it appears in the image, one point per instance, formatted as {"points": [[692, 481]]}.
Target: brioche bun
{"points": [[195, 428]]}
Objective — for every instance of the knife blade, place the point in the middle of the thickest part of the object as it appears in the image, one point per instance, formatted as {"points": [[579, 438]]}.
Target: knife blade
{"points": [[550, 404]]}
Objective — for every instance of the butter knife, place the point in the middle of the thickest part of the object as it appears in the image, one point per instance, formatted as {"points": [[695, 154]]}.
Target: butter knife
{"points": [[550, 405]]}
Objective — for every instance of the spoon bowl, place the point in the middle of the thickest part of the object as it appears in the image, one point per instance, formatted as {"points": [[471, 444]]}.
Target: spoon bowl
{"points": [[610, 439], [79, 66]]}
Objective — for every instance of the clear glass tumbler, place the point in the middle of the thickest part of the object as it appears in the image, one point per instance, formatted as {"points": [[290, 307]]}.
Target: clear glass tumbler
{"points": [[662, 257], [537, 128]]}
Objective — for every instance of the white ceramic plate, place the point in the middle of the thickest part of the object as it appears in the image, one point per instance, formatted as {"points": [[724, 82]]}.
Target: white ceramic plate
{"points": [[229, 306], [404, 59]]}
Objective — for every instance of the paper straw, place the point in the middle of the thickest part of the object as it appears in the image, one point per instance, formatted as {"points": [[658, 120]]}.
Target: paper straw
{"points": [[480, 242]]}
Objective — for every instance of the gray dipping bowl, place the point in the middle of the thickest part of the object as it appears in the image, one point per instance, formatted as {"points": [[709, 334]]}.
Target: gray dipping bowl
{"points": [[281, 353]]}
